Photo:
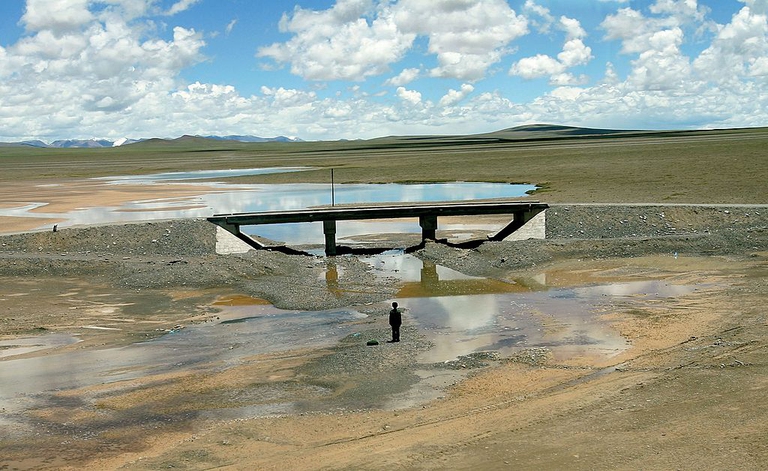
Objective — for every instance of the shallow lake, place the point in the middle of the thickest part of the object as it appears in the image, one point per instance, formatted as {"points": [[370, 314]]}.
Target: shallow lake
{"points": [[213, 195], [216, 197]]}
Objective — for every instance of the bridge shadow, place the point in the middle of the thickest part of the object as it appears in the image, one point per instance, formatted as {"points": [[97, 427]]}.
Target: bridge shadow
{"points": [[363, 251]]}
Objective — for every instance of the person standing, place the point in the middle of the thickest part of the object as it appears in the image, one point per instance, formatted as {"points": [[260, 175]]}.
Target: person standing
{"points": [[395, 321]]}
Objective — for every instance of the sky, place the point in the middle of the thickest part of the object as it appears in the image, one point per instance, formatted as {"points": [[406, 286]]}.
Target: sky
{"points": [[358, 69]]}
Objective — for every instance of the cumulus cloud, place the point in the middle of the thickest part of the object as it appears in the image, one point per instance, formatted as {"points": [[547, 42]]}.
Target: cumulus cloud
{"points": [[339, 43], [115, 68], [410, 96], [455, 96], [539, 16], [91, 62], [738, 50], [540, 65], [574, 53], [660, 63], [56, 17], [467, 36], [403, 78], [759, 7]]}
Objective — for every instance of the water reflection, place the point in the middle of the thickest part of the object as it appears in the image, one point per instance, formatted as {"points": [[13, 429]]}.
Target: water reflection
{"points": [[461, 314], [262, 329], [217, 197], [198, 175], [458, 314]]}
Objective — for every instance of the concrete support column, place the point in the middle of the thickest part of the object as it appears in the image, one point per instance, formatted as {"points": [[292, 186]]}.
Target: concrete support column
{"points": [[329, 229], [428, 225], [233, 229]]}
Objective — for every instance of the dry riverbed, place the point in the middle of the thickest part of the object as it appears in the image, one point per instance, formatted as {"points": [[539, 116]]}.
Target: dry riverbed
{"points": [[688, 393]]}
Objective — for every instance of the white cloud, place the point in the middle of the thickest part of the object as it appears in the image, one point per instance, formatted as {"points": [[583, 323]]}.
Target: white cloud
{"points": [[57, 16], [540, 65], [539, 16], [758, 67], [455, 96], [180, 6], [738, 50], [467, 36], [660, 64], [230, 26], [411, 96], [759, 7], [572, 28], [679, 9], [564, 79], [404, 78], [71, 71], [574, 53], [339, 44]]}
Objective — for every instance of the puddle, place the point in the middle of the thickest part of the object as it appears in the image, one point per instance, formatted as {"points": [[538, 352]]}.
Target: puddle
{"points": [[21, 346], [461, 314], [240, 332], [460, 325], [458, 314]]}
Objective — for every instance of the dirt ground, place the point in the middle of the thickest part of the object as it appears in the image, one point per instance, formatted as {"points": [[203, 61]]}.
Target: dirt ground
{"points": [[689, 393]]}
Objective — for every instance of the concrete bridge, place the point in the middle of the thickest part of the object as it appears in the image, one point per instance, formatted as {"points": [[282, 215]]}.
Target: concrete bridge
{"points": [[427, 213]]}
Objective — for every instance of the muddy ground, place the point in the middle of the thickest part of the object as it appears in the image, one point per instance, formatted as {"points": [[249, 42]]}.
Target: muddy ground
{"points": [[690, 393]]}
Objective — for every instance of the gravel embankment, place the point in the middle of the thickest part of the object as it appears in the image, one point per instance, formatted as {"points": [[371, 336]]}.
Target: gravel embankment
{"points": [[620, 231], [181, 253], [175, 255]]}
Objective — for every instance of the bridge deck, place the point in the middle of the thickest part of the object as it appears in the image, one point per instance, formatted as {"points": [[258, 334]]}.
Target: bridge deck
{"points": [[426, 212], [340, 213]]}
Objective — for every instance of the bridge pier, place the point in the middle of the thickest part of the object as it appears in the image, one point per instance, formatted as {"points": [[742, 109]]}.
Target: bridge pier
{"points": [[234, 229], [428, 223], [519, 219], [329, 229]]}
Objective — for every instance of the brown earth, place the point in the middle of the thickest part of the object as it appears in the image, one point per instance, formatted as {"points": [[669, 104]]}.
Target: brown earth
{"points": [[689, 393]]}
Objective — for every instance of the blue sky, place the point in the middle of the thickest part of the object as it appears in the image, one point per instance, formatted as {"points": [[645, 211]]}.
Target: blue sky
{"points": [[347, 69]]}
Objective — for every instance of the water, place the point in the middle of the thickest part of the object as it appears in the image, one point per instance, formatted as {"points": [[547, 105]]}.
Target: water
{"points": [[242, 331], [219, 197], [458, 315], [198, 175], [461, 314]]}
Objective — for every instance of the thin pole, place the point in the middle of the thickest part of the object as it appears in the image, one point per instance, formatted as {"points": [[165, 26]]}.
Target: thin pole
{"points": [[333, 191]]}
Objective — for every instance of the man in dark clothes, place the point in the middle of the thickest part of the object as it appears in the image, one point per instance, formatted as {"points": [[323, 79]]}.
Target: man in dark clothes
{"points": [[395, 320]]}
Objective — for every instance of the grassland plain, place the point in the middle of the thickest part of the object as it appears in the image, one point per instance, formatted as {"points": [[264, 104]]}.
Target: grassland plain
{"points": [[726, 166], [690, 393]]}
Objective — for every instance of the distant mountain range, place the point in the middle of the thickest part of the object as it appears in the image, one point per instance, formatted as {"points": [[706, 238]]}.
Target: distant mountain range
{"points": [[526, 133], [98, 143]]}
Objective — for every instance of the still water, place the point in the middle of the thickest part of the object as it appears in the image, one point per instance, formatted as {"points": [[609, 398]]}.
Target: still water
{"points": [[458, 314], [215, 196], [461, 314]]}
